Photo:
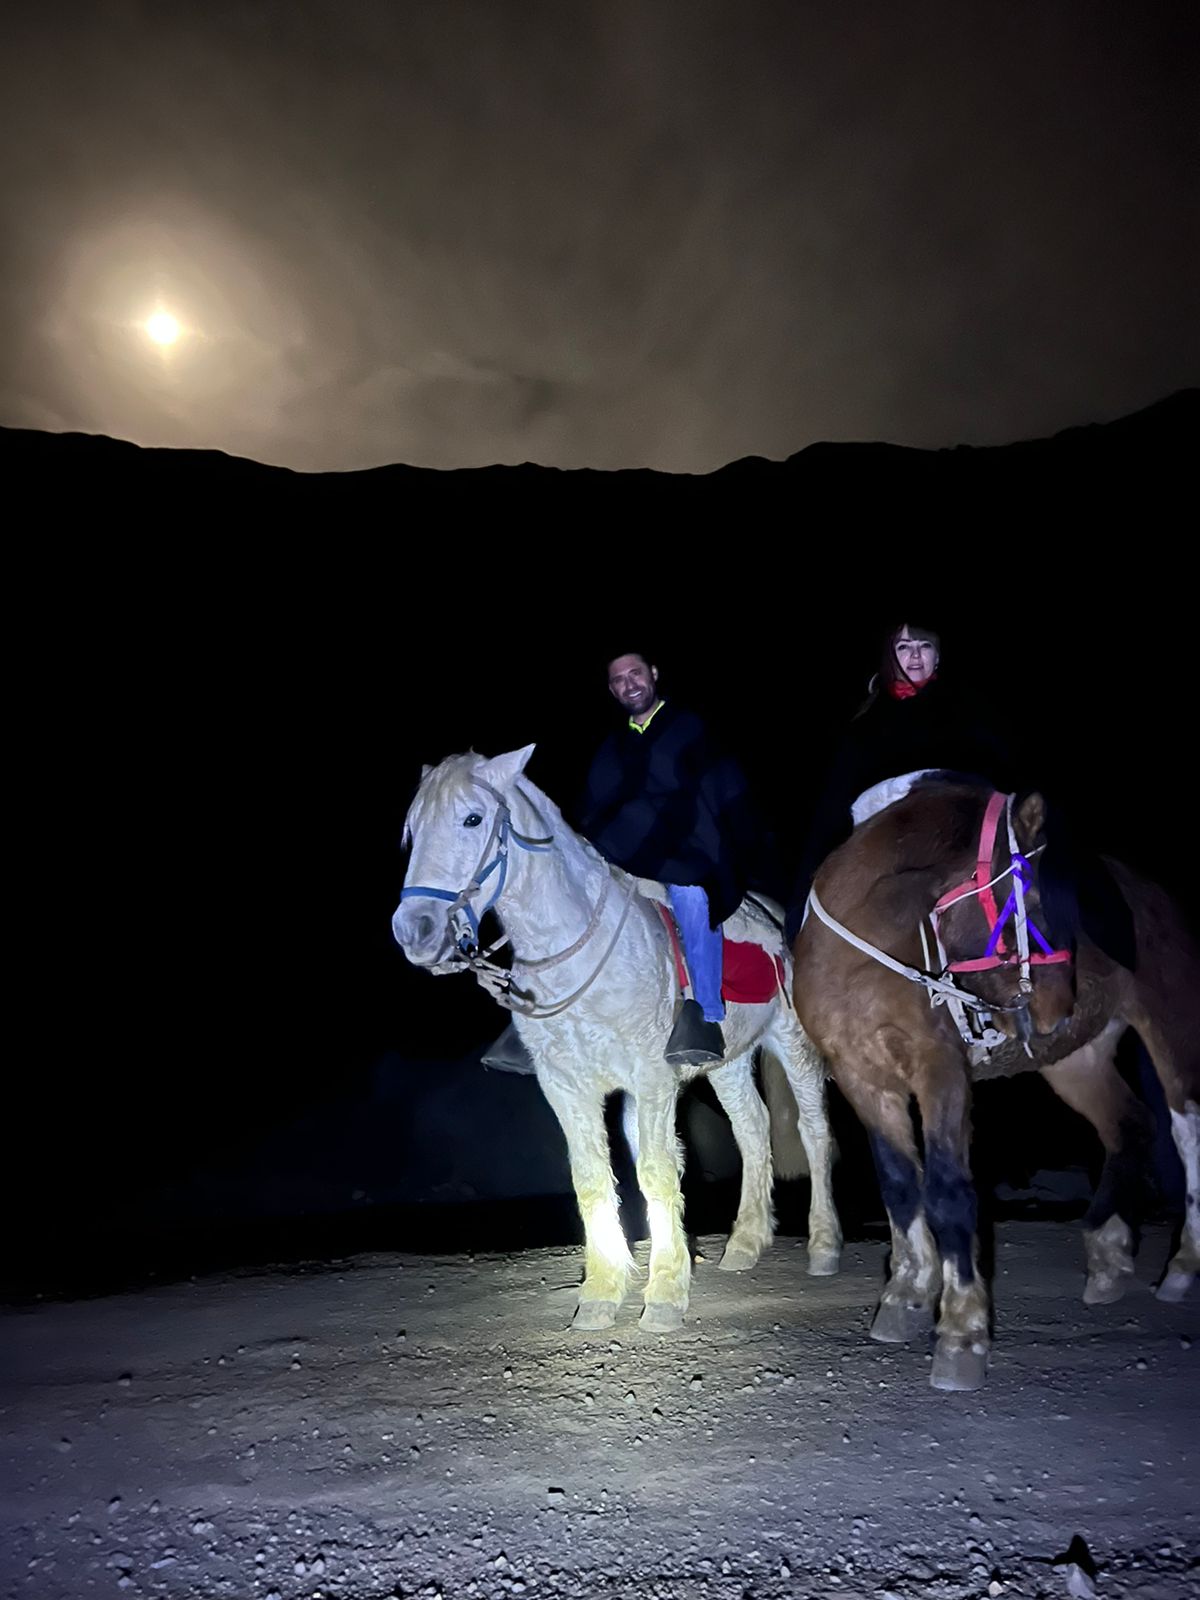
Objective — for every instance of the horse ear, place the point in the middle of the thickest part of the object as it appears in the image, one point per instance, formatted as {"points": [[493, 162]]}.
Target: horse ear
{"points": [[1030, 820], [426, 769], [503, 771]]}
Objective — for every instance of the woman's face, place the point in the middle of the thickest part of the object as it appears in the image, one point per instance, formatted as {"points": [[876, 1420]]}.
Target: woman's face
{"points": [[917, 657]]}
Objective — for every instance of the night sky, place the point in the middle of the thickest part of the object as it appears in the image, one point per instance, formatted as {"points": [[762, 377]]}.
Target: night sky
{"points": [[591, 234]]}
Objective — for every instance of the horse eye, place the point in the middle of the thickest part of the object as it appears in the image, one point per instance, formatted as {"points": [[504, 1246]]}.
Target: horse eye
{"points": [[473, 820]]}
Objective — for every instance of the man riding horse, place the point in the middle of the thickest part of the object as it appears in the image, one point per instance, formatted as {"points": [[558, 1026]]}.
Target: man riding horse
{"points": [[665, 802]]}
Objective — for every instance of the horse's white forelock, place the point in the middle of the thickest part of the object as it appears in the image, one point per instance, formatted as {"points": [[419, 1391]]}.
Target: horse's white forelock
{"points": [[436, 784]]}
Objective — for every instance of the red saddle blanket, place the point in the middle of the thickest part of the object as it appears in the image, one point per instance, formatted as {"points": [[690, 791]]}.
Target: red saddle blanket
{"points": [[749, 976]]}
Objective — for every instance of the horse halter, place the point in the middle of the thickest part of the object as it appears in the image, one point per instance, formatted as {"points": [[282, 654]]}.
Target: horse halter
{"points": [[463, 922], [461, 918], [981, 884], [942, 990]]}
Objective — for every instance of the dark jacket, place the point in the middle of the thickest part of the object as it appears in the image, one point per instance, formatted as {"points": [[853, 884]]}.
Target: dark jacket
{"points": [[935, 729], [670, 804], [938, 729]]}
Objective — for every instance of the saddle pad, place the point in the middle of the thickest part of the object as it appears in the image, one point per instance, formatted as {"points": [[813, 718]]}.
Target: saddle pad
{"points": [[749, 975]]}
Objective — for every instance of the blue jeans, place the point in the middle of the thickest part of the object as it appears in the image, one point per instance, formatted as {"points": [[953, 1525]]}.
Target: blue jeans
{"points": [[702, 947]]}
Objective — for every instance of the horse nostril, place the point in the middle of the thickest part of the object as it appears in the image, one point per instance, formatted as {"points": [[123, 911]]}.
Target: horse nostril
{"points": [[424, 927]]}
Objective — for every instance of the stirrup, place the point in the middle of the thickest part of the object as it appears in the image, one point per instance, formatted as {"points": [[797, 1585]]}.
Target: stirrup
{"points": [[508, 1054], [694, 1042]]}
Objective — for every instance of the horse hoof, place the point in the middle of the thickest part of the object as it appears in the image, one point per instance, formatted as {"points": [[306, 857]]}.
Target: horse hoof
{"points": [[738, 1259], [1103, 1291], [593, 1316], [1174, 1287], [958, 1370], [661, 1318], [823, 1263], [895, 1323]]}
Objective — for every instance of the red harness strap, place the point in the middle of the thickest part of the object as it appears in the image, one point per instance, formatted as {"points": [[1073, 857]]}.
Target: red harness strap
{"points": [[982, 885]]}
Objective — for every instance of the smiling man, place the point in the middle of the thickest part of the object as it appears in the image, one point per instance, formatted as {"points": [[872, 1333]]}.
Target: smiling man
{"points": [[664, 802]]}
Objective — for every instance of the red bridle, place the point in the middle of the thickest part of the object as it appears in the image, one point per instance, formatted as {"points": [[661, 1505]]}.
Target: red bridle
{"points": [[982, 883]]}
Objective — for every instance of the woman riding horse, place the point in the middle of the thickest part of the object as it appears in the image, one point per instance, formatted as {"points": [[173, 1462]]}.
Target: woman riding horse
{"points": [[915, 781], [914, 720]]}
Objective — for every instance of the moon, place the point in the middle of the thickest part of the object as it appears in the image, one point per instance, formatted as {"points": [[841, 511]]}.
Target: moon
{"points": [[163, 328]]}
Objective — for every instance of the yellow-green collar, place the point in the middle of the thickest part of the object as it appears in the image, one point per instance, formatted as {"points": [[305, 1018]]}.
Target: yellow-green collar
{"points": [[640, 727]]}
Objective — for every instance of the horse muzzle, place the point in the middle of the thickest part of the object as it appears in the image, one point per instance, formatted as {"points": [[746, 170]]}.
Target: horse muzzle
{"points": [[422, 932]]}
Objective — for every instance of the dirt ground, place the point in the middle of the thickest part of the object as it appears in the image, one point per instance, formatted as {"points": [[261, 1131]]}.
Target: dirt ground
{"points": [[428, 1426]]}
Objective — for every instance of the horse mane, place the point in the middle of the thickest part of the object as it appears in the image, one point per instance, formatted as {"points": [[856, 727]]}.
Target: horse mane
{"points": [[1080, 895]]}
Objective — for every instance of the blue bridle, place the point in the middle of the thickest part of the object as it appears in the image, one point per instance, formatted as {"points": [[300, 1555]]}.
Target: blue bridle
{"points": [[466, 939]]}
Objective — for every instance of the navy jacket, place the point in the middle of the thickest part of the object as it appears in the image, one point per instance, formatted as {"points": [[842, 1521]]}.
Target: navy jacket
{"points": [[670, 804]]}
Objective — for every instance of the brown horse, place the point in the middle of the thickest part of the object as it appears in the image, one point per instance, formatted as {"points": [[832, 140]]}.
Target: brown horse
{"points": [[894, 1048]]}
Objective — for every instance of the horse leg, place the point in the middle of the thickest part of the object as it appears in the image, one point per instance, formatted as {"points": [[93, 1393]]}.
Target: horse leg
{"points": [[1089, 1083], [755, 1225], [1164, 1007], [906, 1306], [1185, 1264], [1175, 1062], [943, 1095], [1172, 1049], [659, 1165], [805, 1072], [607, 1262]]}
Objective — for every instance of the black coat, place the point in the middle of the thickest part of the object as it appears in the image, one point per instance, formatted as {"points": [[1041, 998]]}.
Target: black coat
{"points": [[934, 729], [670, 804]]}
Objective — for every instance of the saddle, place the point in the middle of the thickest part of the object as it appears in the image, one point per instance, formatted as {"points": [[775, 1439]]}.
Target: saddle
{"points": [[755, 962]]}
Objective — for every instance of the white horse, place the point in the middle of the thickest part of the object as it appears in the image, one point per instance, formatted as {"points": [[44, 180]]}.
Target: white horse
{"points": [[593, 990]]}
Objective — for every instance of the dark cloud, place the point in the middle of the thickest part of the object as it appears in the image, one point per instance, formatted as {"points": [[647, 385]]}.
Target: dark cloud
{"points": [[611, 234]]}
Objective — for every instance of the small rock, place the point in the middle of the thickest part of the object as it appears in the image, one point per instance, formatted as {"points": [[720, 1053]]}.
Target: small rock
{"points": [[1079, 1584], [995, 1588], [556, 1496]]}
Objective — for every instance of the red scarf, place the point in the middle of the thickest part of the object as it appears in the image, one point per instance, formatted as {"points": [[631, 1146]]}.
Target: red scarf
{"points": [[905, 688]]}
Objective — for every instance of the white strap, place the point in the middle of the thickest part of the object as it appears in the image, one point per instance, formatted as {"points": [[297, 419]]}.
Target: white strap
{"points": [[946, 991]]}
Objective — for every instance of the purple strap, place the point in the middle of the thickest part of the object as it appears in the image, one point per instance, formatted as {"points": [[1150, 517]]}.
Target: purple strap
{"points": [[1022, 870]]}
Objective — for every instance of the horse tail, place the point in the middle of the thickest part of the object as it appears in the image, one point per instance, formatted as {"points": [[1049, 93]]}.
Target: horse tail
{"points": [[787, 1148]]}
